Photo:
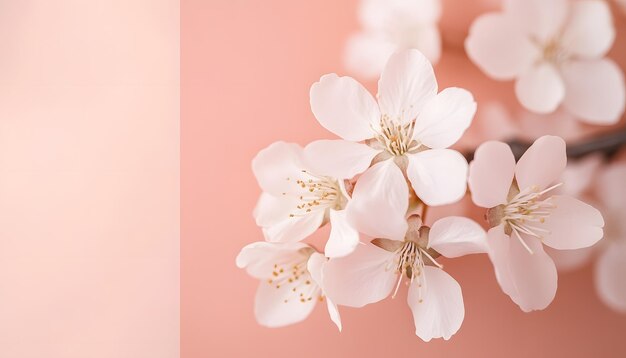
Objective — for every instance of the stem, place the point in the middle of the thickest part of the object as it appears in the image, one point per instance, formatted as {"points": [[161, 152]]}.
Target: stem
{"points": [[607, 144]]}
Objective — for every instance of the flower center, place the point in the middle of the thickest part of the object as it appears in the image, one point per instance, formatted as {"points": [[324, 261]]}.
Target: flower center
{"points": [[295, 280], [524, 212], [410, 260], [395, 137], [316, 193], [555, 53]]}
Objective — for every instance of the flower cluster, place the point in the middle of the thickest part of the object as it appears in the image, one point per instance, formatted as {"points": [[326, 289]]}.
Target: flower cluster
{"points": [[373, 187]]}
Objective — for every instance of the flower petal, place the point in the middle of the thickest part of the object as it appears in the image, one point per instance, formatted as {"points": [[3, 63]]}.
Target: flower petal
{"points": [[333, 312], [498, 47], [610, 187], [540, 88], [438, 176], [380, 14], [260, 257], [343, 237], [437, 306], [360, 278], [315, 265], [444, 118], [456, 236], [273, 166], [406, 84], [609, 277], [541, 19], [277, 307], [366, 54], [380, 201], [572, 224], [344, 107], [491, 174], [529, 279], [542, 164], [595, 90], [589, 32], [338, 159]]}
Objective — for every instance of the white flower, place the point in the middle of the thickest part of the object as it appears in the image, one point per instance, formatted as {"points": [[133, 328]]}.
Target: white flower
{"points": [[374, 270], [296, 201], [407, 131], [555, 50], [290, 275], [391, 25]]}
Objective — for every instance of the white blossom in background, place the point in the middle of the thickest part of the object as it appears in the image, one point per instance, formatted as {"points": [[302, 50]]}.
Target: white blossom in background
{"points": [[389, 26], [296, 200], [555, 51], [525, 214], [405, 132], [290, 275], [377, 269]]}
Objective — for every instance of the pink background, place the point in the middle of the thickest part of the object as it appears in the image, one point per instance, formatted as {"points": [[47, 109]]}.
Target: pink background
{"points": [[89, 179], [246, 71]]}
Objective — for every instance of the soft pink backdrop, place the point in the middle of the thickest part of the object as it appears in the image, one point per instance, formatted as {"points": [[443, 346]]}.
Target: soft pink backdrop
{"points": [[246, 71], [89, 179]]}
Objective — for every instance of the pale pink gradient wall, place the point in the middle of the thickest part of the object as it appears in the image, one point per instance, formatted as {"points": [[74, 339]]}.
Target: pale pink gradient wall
{"points": [[246, 71], [89, 178]]}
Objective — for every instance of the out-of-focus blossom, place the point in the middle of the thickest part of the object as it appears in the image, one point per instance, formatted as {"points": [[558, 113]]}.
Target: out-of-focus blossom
{"points": [[610, 271], [296, 201], [372, 272], [290, 275], [391, 25], [407, 132], [555, 50], [524, 215]]}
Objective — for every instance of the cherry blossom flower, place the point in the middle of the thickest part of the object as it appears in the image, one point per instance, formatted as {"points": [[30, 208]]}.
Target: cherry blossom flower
{"points": [[406, 133], [391, 25], [296, 201], [376, 269], [524, 215], [290, 275], [555, 50]]}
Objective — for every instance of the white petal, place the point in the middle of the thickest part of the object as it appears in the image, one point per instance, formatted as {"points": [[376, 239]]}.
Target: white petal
{"points": [[367, 54], [271, 310], [343, 237], [609, 277], [572, 224], [277, 167], [338, 159], [610, 187], [438, 176], [379, 202], [406, 84], [361, 278], [540, 19], [444, 118], [271, 209], [456, 236], [295, 228], [498, 47], [344, 107], [259, 258], [570, 260], [426, 39], [491, 174], [333, 312], [540, 88], [529, 279], [542, 164], [437, 306], [589, 32], [595, 90]]}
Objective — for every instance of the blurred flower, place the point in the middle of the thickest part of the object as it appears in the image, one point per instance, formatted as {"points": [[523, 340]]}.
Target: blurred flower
{"points": [[290, 275], [373, 270], [391, 25], [555, 50], [408, 130], [524, 214], [296, 201]]}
